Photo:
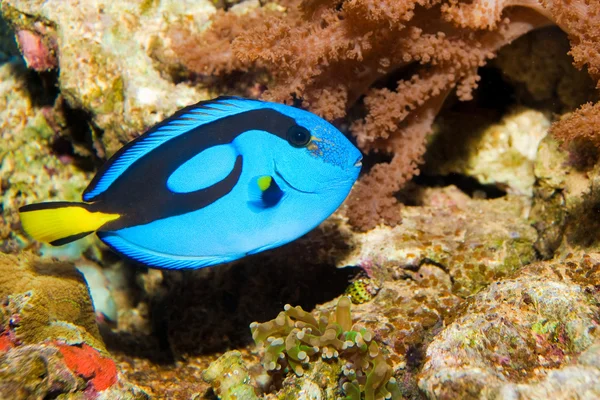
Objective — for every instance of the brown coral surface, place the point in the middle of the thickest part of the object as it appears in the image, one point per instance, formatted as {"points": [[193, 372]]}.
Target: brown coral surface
{"points": [[52, 300]]}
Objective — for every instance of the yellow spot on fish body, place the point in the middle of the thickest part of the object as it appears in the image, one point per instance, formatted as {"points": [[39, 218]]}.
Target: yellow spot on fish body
{"points": [[264, 182]]}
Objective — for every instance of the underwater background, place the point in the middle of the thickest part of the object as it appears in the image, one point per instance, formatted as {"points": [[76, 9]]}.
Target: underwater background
{"points": [[465, 264]]}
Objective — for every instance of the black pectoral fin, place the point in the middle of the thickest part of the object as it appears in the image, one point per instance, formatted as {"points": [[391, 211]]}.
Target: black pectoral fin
{"points": [[264, 193]]}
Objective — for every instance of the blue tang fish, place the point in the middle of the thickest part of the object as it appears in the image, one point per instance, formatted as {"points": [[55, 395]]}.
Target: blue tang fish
{"points": [[213, 183]]}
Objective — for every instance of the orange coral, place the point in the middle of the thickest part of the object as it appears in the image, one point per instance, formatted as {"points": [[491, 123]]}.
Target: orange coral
{"points": [[581, 20], [583, 123], [212, 51], [6, 343], [331, 53], [87, 362]]}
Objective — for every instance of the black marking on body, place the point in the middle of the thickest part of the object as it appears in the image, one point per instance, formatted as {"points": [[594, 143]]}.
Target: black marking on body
{"points": [[140, 194], [272, 195], [51, 205], [69, 239]]}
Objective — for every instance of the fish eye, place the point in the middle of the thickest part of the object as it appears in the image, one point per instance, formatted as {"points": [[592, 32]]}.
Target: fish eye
{"points": [[298, 136]]}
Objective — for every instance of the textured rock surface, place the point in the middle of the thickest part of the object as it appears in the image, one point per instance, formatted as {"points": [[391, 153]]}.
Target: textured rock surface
{"points": [[566, 193], [474, 241], [104, 51], [229, 376], [529, 336], [500, 154], [29, 172], [541, 70], [50, 344]]}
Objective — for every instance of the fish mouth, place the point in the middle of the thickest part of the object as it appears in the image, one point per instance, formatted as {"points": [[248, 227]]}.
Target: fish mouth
{"points": [[358, 162], [288, 182]]}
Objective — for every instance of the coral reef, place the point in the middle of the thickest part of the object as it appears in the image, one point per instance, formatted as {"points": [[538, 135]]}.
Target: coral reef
{"points": [[523, 337], [50, 342], [229, 377], [51, 300], [565, 201], [501, 154], [29, 170], [474, 241], [320, 347], [104, 53], [34, 371], [541, 71], [54, 369], [452, 303]]}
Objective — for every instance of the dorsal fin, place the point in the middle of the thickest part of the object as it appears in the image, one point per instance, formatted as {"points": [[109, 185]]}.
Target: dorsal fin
{"points": [[179, 123]]}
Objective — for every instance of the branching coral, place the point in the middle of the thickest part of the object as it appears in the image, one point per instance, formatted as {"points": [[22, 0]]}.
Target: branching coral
{"points": [[330, 53], [295, 336]]}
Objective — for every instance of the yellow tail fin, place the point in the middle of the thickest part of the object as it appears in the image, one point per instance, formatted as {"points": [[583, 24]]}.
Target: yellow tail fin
{"points": [[59, 223]]}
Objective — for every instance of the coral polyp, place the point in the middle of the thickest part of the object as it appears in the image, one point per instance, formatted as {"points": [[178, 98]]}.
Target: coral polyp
{"points": [[296, 337]]}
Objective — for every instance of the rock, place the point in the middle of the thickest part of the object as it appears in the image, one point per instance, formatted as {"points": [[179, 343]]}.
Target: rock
{"points": [[104, 56], [29, 171], [49, 341], [500, 154], [230, 378], [530, 336], [473, 241]]}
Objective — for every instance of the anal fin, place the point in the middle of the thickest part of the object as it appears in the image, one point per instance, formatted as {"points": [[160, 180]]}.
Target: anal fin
{"points": [[157, 259]]}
